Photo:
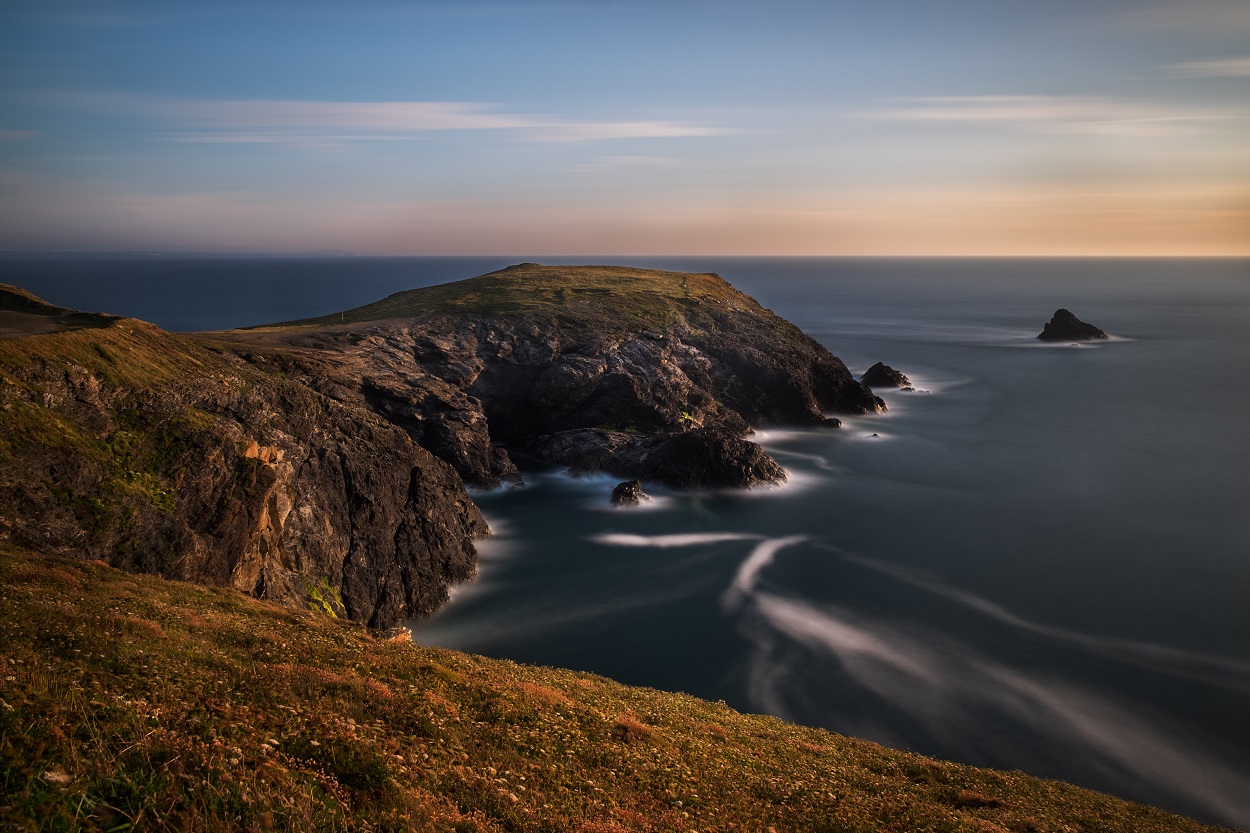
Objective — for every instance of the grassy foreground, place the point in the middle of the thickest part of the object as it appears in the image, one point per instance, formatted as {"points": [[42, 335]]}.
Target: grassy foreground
{"points": [[132, 702]]}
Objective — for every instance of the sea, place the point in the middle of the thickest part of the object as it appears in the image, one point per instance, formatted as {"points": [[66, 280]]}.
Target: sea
{"points": [[1039, 559]]}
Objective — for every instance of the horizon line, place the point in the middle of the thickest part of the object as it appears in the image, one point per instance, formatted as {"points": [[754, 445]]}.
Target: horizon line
{"points": [[530, 256]]}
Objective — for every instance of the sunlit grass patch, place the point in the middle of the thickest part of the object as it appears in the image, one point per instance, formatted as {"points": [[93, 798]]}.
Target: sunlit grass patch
{"points": [[131, 702]]}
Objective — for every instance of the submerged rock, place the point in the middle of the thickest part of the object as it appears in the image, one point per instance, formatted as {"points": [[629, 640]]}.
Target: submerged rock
{"points": [[629, 493], [1064, 326], [883, 376]]}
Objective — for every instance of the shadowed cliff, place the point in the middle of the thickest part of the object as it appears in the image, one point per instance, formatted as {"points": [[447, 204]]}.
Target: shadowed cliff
{"points": [[323, 462], [599, 368]]}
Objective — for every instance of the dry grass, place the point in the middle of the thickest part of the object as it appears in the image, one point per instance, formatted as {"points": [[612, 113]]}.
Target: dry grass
{"points": [[130, 702]]}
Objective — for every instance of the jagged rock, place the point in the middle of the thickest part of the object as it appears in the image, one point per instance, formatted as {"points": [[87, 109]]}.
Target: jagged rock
{"points": [[584, 450], [709, 457], [629, 493], [1064, 326], [713, 457], [150, 451], [635, 354], [883, 376], [325, 463]]}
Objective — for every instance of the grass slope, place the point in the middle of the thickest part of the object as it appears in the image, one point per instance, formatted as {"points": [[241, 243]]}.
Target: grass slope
{"points": [[131, 702], [612, 297]]}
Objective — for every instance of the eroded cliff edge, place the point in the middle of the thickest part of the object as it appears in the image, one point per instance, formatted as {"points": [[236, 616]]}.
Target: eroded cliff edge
{"points": [[155, 453], [324, 462], [640, 373]]}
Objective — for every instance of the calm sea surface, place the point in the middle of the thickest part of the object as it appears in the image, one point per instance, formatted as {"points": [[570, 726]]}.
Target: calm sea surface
{"points": [[1039, 560]]}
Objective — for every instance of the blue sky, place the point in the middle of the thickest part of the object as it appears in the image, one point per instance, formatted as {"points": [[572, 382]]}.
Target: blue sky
{"points": [[627, 127]]}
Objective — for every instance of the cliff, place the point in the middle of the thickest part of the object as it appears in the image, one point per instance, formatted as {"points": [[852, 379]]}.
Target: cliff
{"points": [[595, 367], [323, 462], [153, 452]]}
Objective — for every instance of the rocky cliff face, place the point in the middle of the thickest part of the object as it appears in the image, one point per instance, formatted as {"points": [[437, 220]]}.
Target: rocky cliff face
{"points": [[599, 368], [323, 462], [151, 452]]}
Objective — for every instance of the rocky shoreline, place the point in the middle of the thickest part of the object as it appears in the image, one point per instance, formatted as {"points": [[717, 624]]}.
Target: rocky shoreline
{"points": [[323, 463]]}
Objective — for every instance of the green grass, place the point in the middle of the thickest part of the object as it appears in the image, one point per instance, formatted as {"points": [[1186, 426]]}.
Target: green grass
{"points": [[131, 702], [608, 297], [121, 351]]}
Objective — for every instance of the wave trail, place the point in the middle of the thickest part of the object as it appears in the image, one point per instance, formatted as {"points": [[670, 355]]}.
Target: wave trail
{"points": [[1209, 668], [747, 577], [663, 542]]}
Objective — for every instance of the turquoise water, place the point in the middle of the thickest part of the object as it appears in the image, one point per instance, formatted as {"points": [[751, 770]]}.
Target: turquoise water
{"points": [[1039, 560]]}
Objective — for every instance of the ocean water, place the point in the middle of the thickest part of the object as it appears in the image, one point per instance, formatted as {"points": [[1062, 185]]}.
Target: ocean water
{"points": [[1039, 560]]}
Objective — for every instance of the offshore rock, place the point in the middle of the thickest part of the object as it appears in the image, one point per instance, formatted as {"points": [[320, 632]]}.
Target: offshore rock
{"points": [[1064, 326], [629, 493], [883, 376]]}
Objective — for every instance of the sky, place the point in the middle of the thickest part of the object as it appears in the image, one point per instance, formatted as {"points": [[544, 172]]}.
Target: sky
{"points": [[632, 127]]}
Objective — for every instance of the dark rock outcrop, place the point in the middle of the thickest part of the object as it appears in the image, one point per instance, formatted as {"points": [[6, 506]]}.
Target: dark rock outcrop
{"points": [[152, 452], [883, 376], [714, 457], [1064, 326], [323, 463], [711, 457], [629, 493], [593, 367]]}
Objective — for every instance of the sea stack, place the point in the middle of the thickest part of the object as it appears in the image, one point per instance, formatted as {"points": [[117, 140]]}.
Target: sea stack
{"points": [[883, 376], [1064, 326]]}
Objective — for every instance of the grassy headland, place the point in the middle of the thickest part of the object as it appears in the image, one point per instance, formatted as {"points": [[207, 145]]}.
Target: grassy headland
{"points": [[611, 297], [132, 702]]}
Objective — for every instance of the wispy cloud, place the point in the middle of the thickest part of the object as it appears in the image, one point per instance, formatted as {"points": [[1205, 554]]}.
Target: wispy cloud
{"points": [[298, 122], [17, 135], [1222, 68], [1056, 114]]}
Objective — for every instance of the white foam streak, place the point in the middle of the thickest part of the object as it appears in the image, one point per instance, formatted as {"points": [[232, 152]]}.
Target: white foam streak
{"points": [[663, 542], [865, 654], [955, 691], [816, 459], [747, 577], [1208, 667]]}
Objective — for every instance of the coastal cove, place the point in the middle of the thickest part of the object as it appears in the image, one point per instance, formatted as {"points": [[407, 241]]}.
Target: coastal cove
{"points": [[1036, 560]]}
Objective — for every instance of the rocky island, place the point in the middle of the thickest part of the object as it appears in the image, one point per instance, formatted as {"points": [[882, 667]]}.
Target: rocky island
{"points": [[324, 462], [883, 376], [1064, 326]]}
